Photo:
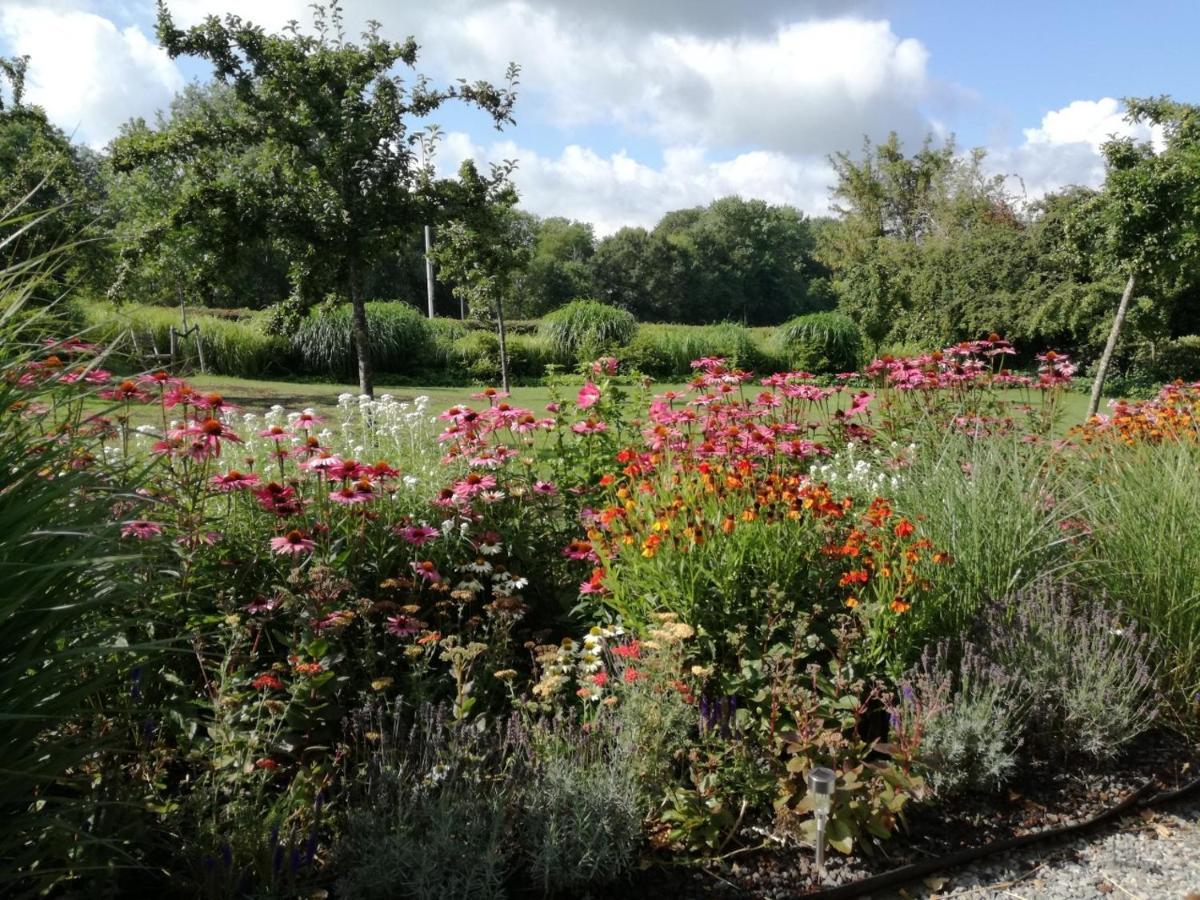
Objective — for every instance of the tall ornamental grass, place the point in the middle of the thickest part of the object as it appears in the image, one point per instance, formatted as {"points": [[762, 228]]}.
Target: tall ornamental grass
{"points": [[1003, 512], [67, 637], [401, 340], [139, 338], [1143, 510], [584, 329], [667, 351], [827, 342]]}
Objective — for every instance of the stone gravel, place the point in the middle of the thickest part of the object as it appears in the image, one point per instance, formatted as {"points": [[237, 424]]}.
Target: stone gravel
{"points": [[1152, 855]]}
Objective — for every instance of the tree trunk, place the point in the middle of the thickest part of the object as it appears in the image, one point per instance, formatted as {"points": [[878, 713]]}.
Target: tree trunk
{"points": [[362, 338], [503, 345], [1106, 357]]}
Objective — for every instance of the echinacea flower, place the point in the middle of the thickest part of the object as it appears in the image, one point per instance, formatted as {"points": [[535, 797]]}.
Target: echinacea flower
{"points": [[275, 433], [589, 396], [233, 480], [141, 529], [404, 626], [589, 426], [418, 534], [294, 542], [427, 570]]}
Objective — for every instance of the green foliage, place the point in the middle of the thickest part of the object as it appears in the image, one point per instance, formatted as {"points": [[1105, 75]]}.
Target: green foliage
{"points": [[336, 179], [667, 351], [824, 342], [1143, 548], [585, 329], [401, 340], [140, 337]]}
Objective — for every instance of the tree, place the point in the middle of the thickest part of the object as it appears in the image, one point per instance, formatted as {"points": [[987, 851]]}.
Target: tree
{"points": [[485, 245], [339, 179], [1147, 218], [642, 272], [558, 270], [54, 183]]}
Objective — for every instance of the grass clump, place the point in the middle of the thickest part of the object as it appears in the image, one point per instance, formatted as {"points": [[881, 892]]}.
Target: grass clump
{"points": [[823, 342], [401, 340], [585, 329]]}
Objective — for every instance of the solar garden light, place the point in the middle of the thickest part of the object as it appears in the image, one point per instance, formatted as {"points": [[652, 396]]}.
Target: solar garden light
{"points": [[821, 782]]}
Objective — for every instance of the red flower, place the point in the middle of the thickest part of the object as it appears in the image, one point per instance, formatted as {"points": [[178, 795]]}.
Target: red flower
{"points": [[267, 681]]}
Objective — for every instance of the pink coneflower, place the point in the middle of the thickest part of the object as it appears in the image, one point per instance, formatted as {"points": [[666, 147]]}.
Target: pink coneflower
{"points": [[126, 390], [490, 394], [473, 483], [214, 403], [159, 378], [404, 626], [589, 426], [208, 435], [323, 461], [859, 402], [383, 469], [589, 396], [578, 549], [345, 470], [308, 448], [359, 492], [233, 480], [275, 433], [279, 499], [545, 488], [261, 604], [180, 395], [307, 420], [336, 619], [427, 570], [199, 539], [141, 529], [418, 534], [294, 542]]}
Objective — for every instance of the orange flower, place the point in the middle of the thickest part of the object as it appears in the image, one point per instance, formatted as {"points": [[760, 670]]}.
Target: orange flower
{"points": [[852, 602], [899, 605]]}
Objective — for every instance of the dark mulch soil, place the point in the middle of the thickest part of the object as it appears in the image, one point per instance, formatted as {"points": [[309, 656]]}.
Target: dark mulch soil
{"points": [[1041, 799]]}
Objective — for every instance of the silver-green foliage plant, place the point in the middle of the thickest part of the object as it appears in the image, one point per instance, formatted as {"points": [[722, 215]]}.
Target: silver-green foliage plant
{"points": [[581, 818], [821, 342], [967, 717], [1085, 667]]}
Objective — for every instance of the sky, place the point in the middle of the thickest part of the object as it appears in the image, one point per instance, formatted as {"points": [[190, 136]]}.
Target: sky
{"points": [[630, 108]]}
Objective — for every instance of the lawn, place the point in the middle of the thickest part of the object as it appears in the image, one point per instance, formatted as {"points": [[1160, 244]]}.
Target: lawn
{"points": [[258, 396]]}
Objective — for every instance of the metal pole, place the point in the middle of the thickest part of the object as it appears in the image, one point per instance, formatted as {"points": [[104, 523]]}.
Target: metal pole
{"points": [[429, 271]]}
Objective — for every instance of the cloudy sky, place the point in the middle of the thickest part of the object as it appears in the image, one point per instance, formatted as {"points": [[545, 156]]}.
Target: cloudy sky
{"points": [[629, 108]]}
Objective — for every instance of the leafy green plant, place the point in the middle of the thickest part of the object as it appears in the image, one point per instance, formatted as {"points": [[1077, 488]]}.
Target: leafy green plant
{"points": [[821, 342], [584, 329], [400, 340]]}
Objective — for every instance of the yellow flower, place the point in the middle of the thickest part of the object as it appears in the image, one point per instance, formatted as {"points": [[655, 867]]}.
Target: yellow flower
{"points": [[380, 684]]}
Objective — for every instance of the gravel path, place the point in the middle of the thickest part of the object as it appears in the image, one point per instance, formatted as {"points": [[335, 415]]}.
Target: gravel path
{"points": [[1153, 855]]}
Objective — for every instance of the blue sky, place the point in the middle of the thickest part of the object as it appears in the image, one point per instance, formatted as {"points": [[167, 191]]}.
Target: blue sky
{"points": [[630, 108]]}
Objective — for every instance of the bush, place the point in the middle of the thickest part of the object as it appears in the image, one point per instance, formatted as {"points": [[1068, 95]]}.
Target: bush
{"points": [[140, 336], [477, 355], [585, 329], [1085, 671], [968, 718], [1179, 358], [667, 351], [824, 342], [402, 341]]}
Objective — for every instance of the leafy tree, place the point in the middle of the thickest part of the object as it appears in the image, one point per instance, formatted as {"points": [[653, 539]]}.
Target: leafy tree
{"points": [[642, 272], [558, 270], [1146, 221], [338, 178], [56, 186], [198, 230], [485, 245]]}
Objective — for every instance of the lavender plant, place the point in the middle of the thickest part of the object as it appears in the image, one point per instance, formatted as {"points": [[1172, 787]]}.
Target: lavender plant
{"points": [[1085, 668]]}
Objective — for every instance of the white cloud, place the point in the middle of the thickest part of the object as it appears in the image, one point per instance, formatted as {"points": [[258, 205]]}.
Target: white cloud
{"points": [[89, 75], [1064, 149], [616, 190]]}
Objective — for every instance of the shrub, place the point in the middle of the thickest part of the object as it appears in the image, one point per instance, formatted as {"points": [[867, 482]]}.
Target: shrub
{"points": [[402, 341], [1084, 669], [477, 355], [585, 329], [1179, 358], [667, 351], [581, 823], [967, 719], [140, 338], [820, 342]]}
